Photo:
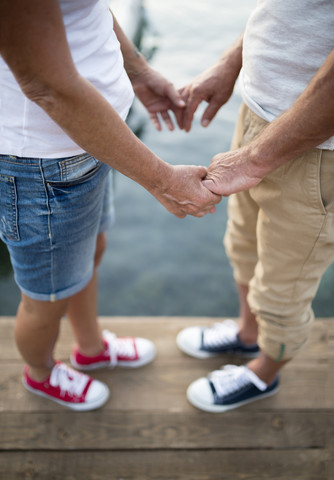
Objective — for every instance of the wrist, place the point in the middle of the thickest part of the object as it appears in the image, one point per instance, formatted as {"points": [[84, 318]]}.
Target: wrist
{"points": [[156, 178], [231, 60], [274, 146], [161, 179], [257, 160], [264, 155], [136, 65]]}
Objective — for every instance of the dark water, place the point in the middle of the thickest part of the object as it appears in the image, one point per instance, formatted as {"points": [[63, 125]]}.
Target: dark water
{"points": [[157, 264]]}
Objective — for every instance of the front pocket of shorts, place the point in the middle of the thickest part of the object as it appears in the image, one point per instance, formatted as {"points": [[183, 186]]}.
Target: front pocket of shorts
{"points": [[8, 208], [76, 170]]}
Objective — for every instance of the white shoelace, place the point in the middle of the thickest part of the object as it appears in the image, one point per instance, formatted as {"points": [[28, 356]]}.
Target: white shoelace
{"points": [[119, 347], [220, 334], [68, 380], [232, 378]]}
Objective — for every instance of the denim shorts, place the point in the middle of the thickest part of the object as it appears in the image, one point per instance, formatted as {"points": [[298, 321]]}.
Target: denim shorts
{"points": [[51, 211]]}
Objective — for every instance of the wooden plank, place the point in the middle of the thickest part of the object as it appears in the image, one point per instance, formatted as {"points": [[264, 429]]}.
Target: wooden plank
{"points": [[311, 464], [307, 382], [148, 430], [160, 387], [163, 331], [119, 430]]}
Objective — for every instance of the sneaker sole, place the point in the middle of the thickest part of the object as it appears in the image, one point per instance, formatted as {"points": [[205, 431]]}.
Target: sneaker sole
{"points": [[202, 354], [123, 364], [224, 408], [80, 407]]}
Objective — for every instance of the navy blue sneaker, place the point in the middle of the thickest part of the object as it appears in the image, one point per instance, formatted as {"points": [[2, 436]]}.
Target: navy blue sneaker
{"points": [[229, 388], [220, 338]]}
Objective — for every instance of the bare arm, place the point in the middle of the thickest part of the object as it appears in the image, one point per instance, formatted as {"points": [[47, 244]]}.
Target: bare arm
{"points": [[157, 94], [307, 124], [46, 74]]}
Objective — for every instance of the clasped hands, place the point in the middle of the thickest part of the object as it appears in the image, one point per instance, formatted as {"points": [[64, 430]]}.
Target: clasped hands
{"points": [[188, 189]]}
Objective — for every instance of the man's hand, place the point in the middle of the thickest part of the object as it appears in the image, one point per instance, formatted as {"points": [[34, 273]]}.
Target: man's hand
{"points": [[158, 96], [215, 86], [210, 87], [233, 172], [184, 194]]}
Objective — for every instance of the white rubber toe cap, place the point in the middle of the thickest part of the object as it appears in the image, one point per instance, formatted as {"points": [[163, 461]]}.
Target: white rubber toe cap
{"points": [[97, 395], [200, 395], [189, 341], [146, 351]]}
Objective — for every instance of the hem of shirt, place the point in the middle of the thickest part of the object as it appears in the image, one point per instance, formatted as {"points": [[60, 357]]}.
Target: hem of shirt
{"points": [[269, 117], [43, 153]]}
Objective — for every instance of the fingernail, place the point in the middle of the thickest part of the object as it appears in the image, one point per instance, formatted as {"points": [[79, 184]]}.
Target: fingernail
{"points": [[205, 122]]}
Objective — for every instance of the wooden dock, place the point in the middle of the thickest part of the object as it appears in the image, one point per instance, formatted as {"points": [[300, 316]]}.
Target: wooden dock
{"points": [[148, 431]]}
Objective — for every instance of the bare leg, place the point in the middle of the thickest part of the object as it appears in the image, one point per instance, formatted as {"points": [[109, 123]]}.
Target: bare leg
{"points": [[82, 310], [265, 367], [36, 332], [248, 326]]}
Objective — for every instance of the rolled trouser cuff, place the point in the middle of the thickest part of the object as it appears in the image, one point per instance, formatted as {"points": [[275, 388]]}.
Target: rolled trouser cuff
{"points": [[282, 339]]}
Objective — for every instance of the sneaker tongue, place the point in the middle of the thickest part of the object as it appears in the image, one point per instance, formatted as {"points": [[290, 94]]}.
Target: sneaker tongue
{"points": [[68, 380], [111, 340], [119, 347], [260, 384], [221, 333]]}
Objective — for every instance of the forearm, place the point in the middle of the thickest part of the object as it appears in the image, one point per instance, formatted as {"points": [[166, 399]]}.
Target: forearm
{"points": [[96, 127], [307, 124], [134, 61], [231, 59]]}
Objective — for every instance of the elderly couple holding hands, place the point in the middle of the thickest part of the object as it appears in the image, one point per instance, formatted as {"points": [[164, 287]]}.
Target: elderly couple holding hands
{"points": [[68, 75]]}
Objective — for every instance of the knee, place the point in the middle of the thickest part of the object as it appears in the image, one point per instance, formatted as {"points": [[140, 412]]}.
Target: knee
{"points": [[29, 307], [242, 257], [101, 245]]}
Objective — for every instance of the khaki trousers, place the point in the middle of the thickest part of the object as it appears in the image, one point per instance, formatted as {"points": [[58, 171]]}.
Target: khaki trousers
{"points": [[280, 241]]}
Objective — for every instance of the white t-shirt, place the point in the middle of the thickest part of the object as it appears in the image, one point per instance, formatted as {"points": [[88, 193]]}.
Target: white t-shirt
{"points": [[25, 129], [285, 43]]}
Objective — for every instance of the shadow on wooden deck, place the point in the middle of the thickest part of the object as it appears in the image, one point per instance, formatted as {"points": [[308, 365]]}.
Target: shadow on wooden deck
{"points": [[149, 431]]}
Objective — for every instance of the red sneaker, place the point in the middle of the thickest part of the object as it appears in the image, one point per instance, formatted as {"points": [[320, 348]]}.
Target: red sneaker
{"points": [[69, 388], [122, 351]]}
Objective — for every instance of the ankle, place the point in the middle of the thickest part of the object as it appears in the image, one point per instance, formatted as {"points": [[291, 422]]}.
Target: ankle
{"points": [[39, 374], [266, 368], [247, 336], [91, 350], [248, 331]]}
